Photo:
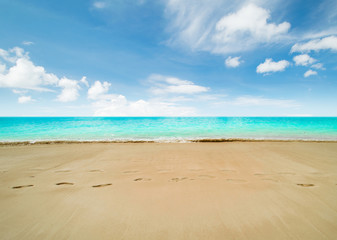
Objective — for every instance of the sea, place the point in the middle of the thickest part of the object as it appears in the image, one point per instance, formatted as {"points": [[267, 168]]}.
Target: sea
{"points": [[166, 129]]}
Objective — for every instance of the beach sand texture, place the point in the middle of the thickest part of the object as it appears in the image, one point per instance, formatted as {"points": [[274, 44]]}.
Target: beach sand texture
{"points": [[232, 190]]}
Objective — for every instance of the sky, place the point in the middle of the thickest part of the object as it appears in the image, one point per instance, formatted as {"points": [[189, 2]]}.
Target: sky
{"points": [[168, 58]]}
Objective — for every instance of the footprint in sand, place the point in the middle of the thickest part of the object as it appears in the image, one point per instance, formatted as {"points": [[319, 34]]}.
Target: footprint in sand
{"points": [[101, 185], [61, 171], [131, 171], [286, 173], [206, 176], [22, 186], [236, 180], [262, 174], [178, 179], [142, 179], [95, 170], [228, 170], [64, 183], [305, 184]]}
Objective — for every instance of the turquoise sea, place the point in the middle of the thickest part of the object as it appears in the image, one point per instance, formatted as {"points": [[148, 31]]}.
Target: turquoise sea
{"points": [[171, 129]]}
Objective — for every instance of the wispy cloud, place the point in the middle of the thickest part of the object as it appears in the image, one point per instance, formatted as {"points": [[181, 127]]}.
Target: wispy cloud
{"points": [[222, 27], [327, 43], [27, 43], [100, 4], [172, 85], [310, 73], [318, 66]]}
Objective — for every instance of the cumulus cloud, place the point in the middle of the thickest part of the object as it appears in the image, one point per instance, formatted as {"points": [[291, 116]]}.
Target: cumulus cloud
{"points": [[310, 73], [24, 74], [69, 91], [25, 99], [233, 62], [327, 43], [107, 104], [2, 68], [98, 90], [208, 26], [270, 66], [303, 60], [166, 84]]}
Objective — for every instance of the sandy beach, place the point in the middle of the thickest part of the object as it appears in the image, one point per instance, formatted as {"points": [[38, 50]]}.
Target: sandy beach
{"points": [[231, 190]]}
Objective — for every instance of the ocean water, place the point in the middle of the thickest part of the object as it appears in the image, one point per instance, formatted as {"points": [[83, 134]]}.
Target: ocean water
{"points": [[170, 129]]}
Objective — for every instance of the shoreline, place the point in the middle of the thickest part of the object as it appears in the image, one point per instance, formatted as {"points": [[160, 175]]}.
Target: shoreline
{"points": [[206, 140]]}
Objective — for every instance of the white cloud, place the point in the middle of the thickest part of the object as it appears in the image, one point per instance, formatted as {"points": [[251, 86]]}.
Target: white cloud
{"points": [[327, 43], [270, 66], [261, 101], [98, 90], [303, 60], [84, 81], [310, 73], [318, 66], [13, 54], [221, 26], [24, 74], [107, 104], [233, 62], [25, 99], [118, 105], [27, 43], [19, 91], [100, 5], [69, 91], [247, 26], [2, 68], [166, 84]]}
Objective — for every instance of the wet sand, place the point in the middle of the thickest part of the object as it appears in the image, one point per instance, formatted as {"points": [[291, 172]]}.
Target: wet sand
{"points": [[230, 190]]}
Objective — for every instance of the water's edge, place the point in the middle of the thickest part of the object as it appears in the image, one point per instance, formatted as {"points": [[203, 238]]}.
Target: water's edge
{"points": [[20, 143]]}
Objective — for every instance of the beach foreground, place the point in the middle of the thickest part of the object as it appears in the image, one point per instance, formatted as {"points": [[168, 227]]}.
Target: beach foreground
{"points": [[231, 190]]}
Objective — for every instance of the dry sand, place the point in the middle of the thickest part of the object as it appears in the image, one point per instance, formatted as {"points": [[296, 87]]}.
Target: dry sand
{"points": [[238, 190]]}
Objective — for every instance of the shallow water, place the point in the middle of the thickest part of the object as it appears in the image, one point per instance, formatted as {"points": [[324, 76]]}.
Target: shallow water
{"points": [[170, 129]]}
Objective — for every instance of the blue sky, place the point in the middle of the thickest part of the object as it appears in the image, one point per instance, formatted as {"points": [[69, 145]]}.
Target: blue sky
{"points": [[168, 58]]}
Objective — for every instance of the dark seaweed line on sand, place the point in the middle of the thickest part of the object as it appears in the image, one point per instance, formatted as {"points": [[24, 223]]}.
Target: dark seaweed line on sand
{"points": [[206, 140]]}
